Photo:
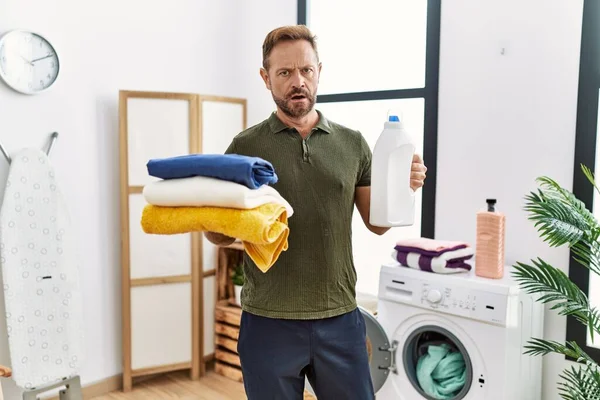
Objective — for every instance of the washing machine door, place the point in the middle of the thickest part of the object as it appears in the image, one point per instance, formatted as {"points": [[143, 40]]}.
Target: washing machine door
{"points": [[382, 352], [393, 357]]}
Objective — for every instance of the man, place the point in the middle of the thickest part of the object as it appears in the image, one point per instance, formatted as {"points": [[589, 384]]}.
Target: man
{"points": [[300, 318]]}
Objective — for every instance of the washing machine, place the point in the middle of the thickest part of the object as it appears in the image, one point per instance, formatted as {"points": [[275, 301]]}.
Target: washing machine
{"points": [[488, 321]]}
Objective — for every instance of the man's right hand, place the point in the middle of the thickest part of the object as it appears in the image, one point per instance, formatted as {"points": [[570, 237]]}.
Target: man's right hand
{"points": [[219, 239]]}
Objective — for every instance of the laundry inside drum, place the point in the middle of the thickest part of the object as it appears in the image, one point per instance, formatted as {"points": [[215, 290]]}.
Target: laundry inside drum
{"points": [[437, 364]]}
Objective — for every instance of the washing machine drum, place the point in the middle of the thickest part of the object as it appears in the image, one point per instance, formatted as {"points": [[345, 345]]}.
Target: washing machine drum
{"points": [[435, 362]]}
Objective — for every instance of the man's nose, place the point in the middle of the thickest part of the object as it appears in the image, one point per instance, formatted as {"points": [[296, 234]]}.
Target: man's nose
{"points": [[297, 79]]}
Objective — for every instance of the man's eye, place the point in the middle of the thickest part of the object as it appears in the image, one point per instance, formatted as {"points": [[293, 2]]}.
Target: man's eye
{"points": [[283, 73]]}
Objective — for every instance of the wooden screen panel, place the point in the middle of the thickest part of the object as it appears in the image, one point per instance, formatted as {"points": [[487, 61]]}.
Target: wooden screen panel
{"points": [[156, 255], [156, 128], [221, 119], [158, 267], [161, 327]]}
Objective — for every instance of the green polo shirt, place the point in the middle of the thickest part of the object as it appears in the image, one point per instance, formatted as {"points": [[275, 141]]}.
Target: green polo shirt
{"points": [[315, 278]]}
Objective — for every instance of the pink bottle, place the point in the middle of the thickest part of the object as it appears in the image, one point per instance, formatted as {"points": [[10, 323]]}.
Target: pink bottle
{"points": [[489, 250]]}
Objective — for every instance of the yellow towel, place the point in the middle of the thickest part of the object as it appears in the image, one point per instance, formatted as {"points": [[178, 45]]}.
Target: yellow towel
{"points": [[264, 229]]}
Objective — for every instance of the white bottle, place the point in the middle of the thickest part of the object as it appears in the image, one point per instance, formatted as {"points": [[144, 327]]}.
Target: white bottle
{"points": [[392, 198]]}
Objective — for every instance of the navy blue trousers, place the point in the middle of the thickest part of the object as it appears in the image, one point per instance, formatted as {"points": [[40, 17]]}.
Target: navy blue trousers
{"points": [[277, 354]]}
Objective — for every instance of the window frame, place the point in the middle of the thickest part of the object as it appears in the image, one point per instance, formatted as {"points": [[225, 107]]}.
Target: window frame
{"points": [[585, 150], [429, 93]]}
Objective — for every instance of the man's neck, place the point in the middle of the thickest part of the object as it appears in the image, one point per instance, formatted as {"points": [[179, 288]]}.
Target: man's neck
{"points": [[303, 125]]}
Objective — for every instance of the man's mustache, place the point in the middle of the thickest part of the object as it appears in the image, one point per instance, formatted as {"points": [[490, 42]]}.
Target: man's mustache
{"points": [[296, 92]]}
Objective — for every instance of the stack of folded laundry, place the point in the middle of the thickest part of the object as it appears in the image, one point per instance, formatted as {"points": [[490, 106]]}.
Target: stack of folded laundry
{"points": [[227, 194], [439, 256]]}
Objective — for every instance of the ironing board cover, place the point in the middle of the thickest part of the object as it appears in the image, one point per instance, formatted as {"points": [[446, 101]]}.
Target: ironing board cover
{"points": [[40, 274]]}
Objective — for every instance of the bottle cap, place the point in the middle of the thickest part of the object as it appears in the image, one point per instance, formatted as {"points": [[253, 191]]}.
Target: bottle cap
{"points": [[395, 115]]}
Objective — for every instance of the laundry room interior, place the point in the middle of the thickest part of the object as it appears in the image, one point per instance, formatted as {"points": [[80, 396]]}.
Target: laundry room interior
{"points": [[148, 247]]}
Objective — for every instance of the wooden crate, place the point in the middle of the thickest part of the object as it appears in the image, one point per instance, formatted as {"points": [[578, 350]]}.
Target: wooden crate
{"points": [[227, 330]]}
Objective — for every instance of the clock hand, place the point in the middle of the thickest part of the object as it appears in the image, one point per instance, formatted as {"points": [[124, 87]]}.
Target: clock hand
{"points": [[24, 59], [38, 59]]}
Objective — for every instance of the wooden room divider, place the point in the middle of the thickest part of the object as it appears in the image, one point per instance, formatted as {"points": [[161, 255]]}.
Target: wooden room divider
{"points": [[168, 281]]}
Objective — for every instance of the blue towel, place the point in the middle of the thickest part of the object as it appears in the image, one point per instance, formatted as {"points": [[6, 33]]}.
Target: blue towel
{"points": [[252, 172]]}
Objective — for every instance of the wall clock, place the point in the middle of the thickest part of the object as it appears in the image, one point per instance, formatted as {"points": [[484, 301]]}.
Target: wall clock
{"points": [[28, 62]]}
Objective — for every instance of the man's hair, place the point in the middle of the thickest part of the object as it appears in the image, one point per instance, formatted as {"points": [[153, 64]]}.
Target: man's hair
{"points": [[287, 33]]}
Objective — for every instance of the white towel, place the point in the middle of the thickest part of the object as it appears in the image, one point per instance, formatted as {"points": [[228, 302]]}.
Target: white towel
{"points": [[202, 191], [40, 275]]}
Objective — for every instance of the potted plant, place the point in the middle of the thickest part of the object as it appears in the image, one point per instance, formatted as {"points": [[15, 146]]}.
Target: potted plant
{"points": [[561, 219], [238, 281]]}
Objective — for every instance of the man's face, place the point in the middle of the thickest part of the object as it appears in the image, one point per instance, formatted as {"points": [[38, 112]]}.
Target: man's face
{"points": [[293, 77]]}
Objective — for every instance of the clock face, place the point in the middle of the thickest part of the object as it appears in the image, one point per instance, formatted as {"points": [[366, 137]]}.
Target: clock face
{"points": [[28, 62]]}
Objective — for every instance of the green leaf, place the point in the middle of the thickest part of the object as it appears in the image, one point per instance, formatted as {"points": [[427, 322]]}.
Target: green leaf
{"points": [[588, 255], [556, 191], [590, 176], [554, 220], [542, 347], [581, 383], [553, 285], [559, 216]]}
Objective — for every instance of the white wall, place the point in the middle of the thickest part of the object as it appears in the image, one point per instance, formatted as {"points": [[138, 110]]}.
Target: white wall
{"points": [[208, 47], [522, 103]]}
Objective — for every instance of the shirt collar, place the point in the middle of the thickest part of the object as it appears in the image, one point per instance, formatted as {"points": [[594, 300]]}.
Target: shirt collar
{"points": [[277, 126]]}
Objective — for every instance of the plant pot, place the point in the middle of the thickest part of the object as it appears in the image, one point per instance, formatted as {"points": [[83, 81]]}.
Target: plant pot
{"points": [[238, 294]]}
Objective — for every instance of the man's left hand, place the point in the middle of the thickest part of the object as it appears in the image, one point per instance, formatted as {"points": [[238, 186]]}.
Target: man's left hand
{"points": [[417, 172]]}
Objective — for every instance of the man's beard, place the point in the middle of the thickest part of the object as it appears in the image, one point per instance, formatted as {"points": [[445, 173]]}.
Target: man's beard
{"points": [[295, 110]]}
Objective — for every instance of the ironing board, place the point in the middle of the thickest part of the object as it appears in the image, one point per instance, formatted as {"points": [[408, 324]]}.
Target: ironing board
{"points": [[41, 279]]}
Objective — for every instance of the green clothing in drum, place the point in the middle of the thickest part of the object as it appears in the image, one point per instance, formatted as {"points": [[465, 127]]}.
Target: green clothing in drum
{"points": [[315, 278]]}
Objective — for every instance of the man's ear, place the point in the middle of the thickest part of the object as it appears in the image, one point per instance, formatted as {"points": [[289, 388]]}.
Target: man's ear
{"points": [[265, 76]]}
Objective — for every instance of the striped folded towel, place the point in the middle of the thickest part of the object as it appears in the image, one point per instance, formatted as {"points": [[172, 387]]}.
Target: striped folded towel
{"points": [[447, 262], [429, 247]]}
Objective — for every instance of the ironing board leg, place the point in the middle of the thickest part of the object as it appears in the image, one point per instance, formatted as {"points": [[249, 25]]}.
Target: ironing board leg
{"points": [[71, 391], [29, 395]]}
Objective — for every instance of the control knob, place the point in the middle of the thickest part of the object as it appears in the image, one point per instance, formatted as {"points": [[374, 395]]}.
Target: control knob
{"points": [[434, 296]]}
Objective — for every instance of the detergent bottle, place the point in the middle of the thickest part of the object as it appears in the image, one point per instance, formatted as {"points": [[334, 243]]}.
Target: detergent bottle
{"points": [[392, 199]]}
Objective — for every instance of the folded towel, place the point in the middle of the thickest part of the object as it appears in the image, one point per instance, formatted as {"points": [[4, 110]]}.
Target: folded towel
{"points": [[441, 372], [430, 247], [263, 230], [449, 262], [201, 191], [250, 171]]}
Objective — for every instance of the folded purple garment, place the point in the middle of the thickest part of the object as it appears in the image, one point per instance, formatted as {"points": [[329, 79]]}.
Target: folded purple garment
{"points": [[431, 253], [429, 264]]}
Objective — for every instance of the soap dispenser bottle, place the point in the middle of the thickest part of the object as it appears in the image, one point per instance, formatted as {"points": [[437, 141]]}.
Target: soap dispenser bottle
{"points": [[489, 250], [392, 198]]}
